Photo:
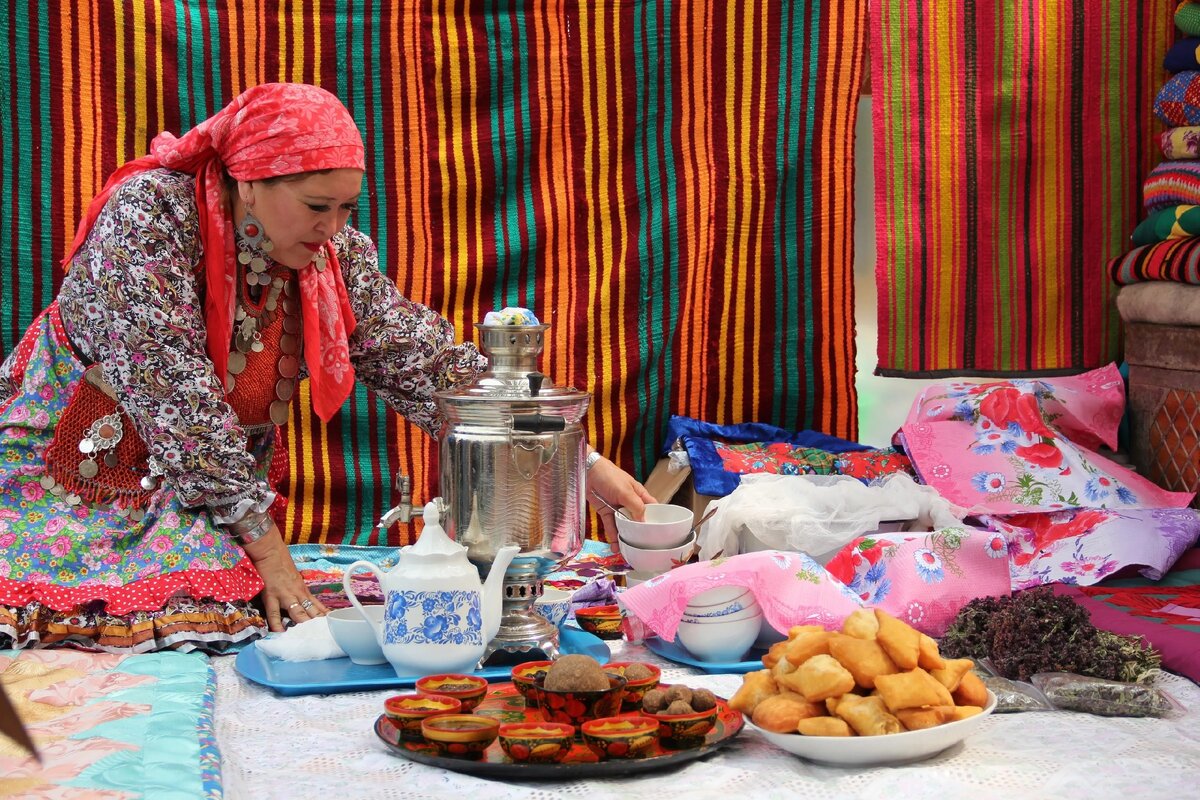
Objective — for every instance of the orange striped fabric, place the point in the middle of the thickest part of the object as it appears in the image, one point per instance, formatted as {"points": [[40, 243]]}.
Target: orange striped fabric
{"points": [[668, 184]]}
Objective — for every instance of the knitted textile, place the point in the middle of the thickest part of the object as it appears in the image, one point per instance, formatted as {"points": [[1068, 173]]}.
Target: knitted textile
{"points": [[1172, 260], [1183, 55], [1169, 223], [1187, 17], [1181, 143], [1172, 183], [1178, 101]]}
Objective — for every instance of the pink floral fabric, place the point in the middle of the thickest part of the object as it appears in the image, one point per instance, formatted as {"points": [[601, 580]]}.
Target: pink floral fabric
{"points": [[1018, 446], [924, 579], [1084, 546]]}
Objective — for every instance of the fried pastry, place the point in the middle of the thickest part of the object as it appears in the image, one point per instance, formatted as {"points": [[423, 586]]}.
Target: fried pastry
{"points": [[861, 624], [912, 689], [865, 658], [867, 715], [805, 645], [971, 691], [928, 657], [756, 687], [951, 674], [783, 712], [901, 642], [822, 676], [824, 726]]}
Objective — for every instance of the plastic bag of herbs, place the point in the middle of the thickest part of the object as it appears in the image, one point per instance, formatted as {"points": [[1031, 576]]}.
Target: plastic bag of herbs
{"points": [[1070, 692], [1038, 631]]}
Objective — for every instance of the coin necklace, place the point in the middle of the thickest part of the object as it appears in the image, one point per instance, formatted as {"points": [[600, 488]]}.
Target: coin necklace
{"points": [[255, 314]]}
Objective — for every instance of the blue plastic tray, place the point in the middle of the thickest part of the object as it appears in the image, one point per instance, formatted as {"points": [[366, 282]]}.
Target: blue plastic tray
{"points": [[673, 651], [336, 675]]}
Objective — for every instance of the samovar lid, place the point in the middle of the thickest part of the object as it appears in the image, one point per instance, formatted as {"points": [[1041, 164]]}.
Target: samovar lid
{"points": [[512, 374]]}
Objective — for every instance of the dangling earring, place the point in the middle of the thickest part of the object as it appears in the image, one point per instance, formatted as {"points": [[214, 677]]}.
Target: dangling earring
{"points": [[251, 229], [252, 232]]}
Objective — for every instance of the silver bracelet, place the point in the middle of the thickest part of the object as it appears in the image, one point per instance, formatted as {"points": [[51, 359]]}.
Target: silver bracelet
{"points": [[591, 460], [250, 528]]}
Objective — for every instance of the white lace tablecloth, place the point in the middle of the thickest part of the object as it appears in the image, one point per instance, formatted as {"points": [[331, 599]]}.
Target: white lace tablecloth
{"points": [[323, 746]]}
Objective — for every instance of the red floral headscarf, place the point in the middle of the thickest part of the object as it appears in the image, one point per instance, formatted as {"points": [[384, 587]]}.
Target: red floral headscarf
{"points": [[268, 131]]}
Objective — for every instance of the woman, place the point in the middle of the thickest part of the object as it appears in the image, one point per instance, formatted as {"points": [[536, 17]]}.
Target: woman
{"points": [[138, 413]]}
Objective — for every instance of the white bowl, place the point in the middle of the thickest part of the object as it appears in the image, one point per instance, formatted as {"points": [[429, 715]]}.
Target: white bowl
{"points": [[740, 608], [723, 642], [717, 597], [892, 748], [664, 526], [554, 605], [656, 561], [635, 578], [355, 635]]}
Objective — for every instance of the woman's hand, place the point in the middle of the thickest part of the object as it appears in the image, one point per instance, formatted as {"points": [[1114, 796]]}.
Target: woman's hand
{"points": [[608, 481], [285, 591]]}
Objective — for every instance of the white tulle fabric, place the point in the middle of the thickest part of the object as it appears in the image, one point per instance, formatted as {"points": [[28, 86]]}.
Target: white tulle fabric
{"points": [[272, 746]]}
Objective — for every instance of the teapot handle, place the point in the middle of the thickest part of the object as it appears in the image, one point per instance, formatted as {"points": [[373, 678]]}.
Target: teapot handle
{"points": [[346, 585]]}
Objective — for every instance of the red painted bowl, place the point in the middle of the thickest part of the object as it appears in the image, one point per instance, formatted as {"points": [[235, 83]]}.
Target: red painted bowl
{"points": [[408, 711], [523, 677], [537, 742], [621, 737], [460, 735], [467, 689], [576, 708], [601, 621]]}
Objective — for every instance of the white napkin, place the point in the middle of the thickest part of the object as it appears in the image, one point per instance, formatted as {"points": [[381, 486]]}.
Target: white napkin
{"points": [[308, 641]]}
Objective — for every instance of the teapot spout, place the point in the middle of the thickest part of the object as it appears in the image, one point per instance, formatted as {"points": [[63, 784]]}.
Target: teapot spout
{"points": [[493, 605]]}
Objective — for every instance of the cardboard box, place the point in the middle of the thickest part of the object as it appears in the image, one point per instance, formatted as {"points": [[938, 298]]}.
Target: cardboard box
{"points": [[676, 488]]}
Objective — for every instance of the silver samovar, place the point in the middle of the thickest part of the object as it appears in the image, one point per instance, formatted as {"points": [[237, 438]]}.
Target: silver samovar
{"points": [[511, 458]]}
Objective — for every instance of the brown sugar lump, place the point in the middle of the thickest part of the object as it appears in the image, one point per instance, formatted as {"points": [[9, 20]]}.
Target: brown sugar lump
{"points": [[822, 676], [576, 673], [638, 672], [703, 700]]}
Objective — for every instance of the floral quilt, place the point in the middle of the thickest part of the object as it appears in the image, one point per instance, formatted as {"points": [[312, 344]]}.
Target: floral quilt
{"points": [[1023, 446]]}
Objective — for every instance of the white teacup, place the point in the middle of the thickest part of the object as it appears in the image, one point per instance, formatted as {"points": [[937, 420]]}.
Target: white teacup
{"points": [[355, 635]]}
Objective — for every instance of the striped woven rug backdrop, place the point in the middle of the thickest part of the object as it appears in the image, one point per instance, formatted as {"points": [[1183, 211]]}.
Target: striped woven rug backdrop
{"points": [[1011, 141], [666, 183]]}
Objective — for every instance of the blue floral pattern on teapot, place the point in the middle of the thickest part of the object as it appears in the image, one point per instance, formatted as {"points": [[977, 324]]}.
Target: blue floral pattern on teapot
{"points": [[416, 617]]}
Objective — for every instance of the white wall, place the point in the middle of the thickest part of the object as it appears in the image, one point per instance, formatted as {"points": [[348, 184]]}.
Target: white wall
{"points": [[883, 403]]}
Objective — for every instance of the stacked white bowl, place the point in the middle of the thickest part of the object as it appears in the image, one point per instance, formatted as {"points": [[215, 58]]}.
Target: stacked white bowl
{"points": [[721, 625], [661, 540]]}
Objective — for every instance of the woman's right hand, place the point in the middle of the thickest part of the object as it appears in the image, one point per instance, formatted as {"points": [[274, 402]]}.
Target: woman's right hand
{"points": [[285, 591]]}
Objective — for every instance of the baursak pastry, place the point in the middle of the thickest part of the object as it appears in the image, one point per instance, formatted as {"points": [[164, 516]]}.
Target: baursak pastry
{"points": [[756, 687], [867, 716], [781, 713]]}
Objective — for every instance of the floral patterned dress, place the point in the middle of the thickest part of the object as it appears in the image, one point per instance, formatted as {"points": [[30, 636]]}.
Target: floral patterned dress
{"points": [[145, 565]]}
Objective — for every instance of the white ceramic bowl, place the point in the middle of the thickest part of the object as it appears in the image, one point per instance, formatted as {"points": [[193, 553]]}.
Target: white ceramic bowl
{"points": [[554, 605], [664, 526], [724, 642], [893, 748], [656, 561], [635, 578], [357, 636], [745, 606], [717, 597]]}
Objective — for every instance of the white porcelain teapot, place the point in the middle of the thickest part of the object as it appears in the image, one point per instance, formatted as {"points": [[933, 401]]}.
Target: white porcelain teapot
{"points": [[438, 617]]}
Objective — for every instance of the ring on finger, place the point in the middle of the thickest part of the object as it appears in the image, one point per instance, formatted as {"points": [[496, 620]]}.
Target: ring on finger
{"points": [[292, 605], [307, 605]]}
